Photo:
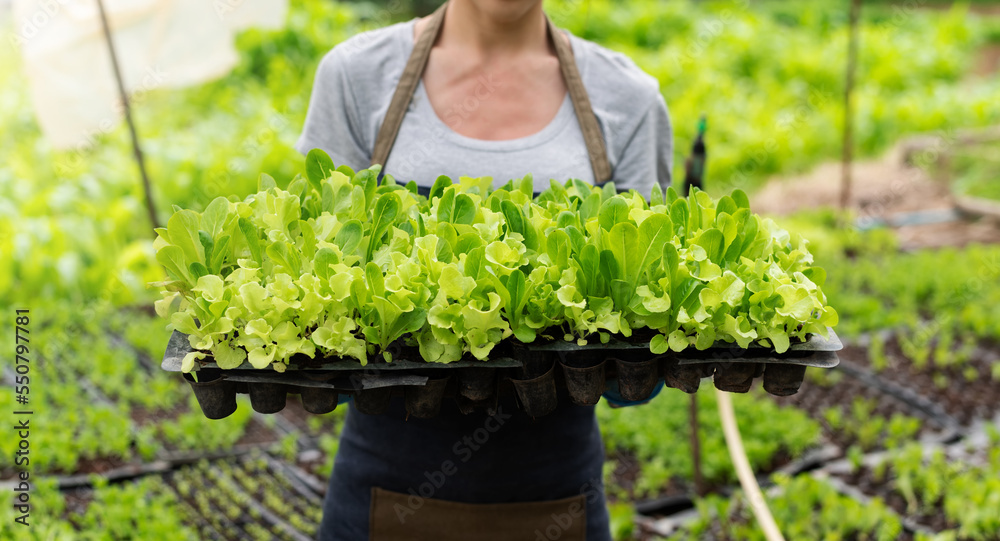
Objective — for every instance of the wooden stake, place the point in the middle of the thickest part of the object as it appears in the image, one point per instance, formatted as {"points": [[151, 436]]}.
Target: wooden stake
{"points": [[699, 481], [136, 149]]}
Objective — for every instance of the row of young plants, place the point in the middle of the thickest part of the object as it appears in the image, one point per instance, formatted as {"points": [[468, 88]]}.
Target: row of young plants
{"points": [[340, 265], [867, 430], [72, 214], [144, 509], [975, 170], [769, 76], [922, 294], [656, 436], [110, 408], [855, 416], [246, 500], [803, 507], [962, 497], [937, 308]]}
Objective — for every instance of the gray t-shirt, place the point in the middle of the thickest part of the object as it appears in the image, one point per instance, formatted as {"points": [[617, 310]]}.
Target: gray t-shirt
{"points": [[355, 82]]}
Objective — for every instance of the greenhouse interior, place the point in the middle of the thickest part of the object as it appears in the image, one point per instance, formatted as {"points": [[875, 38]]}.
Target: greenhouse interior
{"points": [[599, 270]]}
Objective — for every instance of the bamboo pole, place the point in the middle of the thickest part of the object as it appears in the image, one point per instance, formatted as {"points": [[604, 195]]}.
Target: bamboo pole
{"points": [[699, 480], [848, 143], [136, 149], [747, 480]]}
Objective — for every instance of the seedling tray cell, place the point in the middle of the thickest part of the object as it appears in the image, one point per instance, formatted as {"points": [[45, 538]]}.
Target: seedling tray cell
{"points": [[808, 353], [536, 373]]}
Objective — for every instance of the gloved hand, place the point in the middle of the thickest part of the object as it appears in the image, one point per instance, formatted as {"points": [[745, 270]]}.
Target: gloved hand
{"points": [[615, 399]]}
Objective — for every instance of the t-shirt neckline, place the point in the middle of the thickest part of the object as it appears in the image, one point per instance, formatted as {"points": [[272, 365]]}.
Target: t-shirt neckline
{"points": [[421, 107]]}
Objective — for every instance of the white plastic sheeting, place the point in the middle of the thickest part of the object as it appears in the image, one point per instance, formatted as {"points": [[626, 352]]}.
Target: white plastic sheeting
{"points": [[160, 43]]}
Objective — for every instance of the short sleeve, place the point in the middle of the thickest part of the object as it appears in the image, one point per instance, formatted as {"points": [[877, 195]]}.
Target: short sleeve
{"points": [[332, 122], [647, 157]]}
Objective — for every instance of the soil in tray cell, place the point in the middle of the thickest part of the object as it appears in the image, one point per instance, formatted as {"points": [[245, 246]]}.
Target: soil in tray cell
{"points": [[965, 396], [824, 390]]}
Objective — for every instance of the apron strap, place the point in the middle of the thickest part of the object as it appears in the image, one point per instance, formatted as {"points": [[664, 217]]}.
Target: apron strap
{"points": [[407, 85], [581, 104], [414, 70]]}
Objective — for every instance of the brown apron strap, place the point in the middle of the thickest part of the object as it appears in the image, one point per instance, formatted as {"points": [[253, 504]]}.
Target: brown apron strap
{"points": [[581, 104], [404, 90], [414, 69]]}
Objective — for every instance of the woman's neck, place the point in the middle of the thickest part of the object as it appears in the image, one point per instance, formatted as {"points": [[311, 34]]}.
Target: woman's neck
{"points": [[469, 27]]}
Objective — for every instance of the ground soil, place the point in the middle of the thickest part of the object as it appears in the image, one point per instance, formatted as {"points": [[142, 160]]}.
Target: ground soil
{"points": [[962, 398], [256, 433], [77, 500], [818, 394], [627, 471], [94, 465], [987, 61], [880, 189], [142, 416]]}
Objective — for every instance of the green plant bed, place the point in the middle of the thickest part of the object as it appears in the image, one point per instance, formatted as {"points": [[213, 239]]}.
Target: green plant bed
{"points": [[937, 492], [655, 438], [975, 172], [804, 508]]}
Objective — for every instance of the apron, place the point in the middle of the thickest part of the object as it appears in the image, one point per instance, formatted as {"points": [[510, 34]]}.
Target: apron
{"points": [[468, 477], [565, 498]]}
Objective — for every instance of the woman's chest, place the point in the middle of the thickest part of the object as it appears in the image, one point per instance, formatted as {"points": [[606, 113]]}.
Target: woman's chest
{"points": [[494, 101], [427, 147]]}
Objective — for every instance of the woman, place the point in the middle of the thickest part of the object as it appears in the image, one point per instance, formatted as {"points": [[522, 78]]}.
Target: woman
{"points": [[480, 88]]}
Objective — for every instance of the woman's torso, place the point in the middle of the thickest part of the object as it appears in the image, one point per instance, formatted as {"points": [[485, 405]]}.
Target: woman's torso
{"points": [[520, 459]]}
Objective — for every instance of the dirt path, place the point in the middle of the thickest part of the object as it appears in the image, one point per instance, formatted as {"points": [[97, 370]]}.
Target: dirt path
{"points": [[987, 61], [881, 190]]}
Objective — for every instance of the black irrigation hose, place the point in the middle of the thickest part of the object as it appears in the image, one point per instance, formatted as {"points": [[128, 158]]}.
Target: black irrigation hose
{"points": [[918, 402], [162, 465]]}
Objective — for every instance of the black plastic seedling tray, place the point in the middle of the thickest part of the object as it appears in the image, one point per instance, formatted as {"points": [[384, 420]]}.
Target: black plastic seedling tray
{"points": [[537, 374]]}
